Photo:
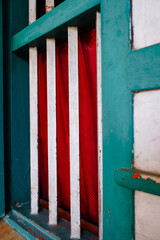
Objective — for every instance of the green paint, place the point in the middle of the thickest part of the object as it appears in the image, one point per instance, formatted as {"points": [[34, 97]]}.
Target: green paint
{"points": [[133, 180], [48, 23], [20, 230], [143, 68], [36, 226], [118, 220], [2, 198], [16, 107]]}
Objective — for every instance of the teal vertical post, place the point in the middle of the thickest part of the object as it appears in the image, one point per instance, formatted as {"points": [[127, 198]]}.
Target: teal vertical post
{"points": [[2, 201], [118, 219]]}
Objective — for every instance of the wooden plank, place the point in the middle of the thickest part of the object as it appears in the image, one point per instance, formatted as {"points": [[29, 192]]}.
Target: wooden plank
{"points": [[99, 124], [33, 129], [146, 21], [52, 133], [74, 131], [33, 80], [8, 233], [62, 14], [117, 119], [138, 180], [143, 70]]}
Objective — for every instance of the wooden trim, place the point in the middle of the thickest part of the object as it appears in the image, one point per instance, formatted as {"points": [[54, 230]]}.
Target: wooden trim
{"points": [[52, 132], [143, 68], [66, 215], [52, 21], [74, 131], [33, 95], [99, 124]]}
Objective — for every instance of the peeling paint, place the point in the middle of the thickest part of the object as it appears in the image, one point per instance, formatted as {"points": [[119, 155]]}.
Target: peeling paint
{"points": [[136, 175]]}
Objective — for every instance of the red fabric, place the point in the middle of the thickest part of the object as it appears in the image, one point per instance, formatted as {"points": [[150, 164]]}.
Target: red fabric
{"points": [[87, 121], [88, 126]]}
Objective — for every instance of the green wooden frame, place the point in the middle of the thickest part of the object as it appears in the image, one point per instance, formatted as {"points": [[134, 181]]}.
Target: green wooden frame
{"points": [[2, 198], [138, 180], [123, 72]]}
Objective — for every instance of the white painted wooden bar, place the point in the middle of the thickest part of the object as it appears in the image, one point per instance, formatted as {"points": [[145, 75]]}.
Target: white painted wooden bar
{"points": [[52, 133], [147, 158], [99, 124], [146, 21], [74, 130], [33, 115]]}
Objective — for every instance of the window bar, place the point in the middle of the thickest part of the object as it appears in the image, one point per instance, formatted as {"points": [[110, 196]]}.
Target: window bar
{"points": [[99, 109], [51, 107], [33, 115], [74, 131]]}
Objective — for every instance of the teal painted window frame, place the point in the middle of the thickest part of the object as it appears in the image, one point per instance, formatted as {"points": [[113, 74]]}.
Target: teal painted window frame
{"points": [[123, 72], [2, 197]]}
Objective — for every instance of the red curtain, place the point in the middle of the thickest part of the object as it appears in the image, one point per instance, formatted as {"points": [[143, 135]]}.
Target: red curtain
{"points": [[87, 121]]}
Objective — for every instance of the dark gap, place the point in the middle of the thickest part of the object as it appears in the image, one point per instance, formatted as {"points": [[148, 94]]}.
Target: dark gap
{"points": [[40, 8], [57, 2]]}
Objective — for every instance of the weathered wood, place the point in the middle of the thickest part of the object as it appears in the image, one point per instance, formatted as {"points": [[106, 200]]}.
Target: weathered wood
{"points": [[8, 233], [138, 180], [99, 124], [52, 133], [33, 94], [52, 20], [143, 71], [74, 131]]}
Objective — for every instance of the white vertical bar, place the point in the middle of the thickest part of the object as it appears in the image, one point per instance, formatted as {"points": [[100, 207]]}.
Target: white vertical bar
{"points": [[49, 5], [52, 144], [33, 115], [74, 130], [52, 134], [99, 110]]}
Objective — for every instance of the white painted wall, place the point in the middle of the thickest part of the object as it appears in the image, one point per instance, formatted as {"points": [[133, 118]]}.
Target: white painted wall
{"points": [[147, 131], [147, 158], [146, 21]]}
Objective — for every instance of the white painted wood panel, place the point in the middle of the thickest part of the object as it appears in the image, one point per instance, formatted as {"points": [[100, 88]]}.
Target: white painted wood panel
{"points": [[99, 124], [33, 98], [147, 131], [147, 216], [146, 21], [49, 5], [52, 133], [74, 130], [147, 158], [32, 11], [33, 129]]}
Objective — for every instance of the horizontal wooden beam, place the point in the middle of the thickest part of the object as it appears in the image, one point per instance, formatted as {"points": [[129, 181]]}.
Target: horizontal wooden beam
{"points": [[144, 68], [50, 22], [137, 180]]}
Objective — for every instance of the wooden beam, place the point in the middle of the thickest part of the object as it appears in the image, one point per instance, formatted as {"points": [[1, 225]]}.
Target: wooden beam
{"points": [[138, 180], [143, 68], [62, 14], [74, 131], [33, 79], [99, 124], [52, 133]]}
